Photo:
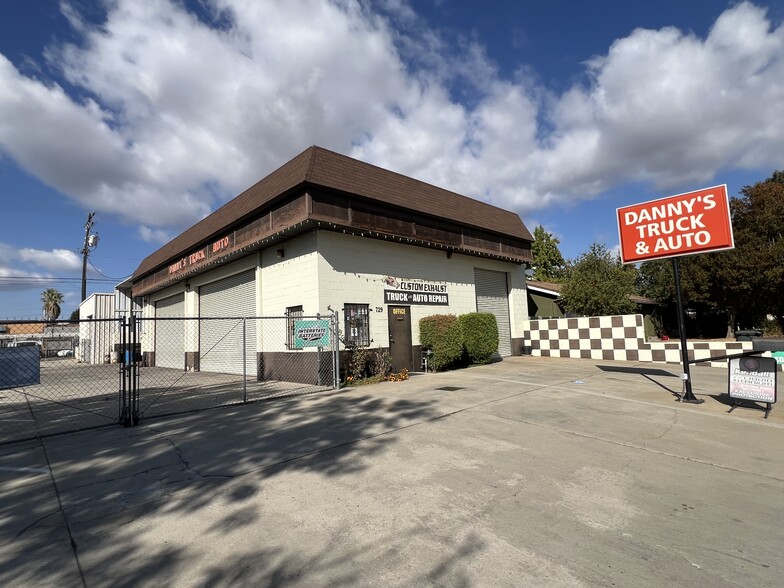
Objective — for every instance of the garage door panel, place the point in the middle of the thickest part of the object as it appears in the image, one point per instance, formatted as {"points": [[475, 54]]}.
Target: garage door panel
{"points": [[170, 334], [492, 295], [223, 333]]}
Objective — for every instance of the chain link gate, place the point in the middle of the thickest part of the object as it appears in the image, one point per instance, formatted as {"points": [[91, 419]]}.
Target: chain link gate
{"points": [[130, 356], [175, 365], [57, 377], [68, 376]]}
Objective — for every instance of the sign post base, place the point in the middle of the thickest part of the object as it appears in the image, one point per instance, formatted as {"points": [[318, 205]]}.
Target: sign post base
{"points": [[686, 393], [740, 404]]}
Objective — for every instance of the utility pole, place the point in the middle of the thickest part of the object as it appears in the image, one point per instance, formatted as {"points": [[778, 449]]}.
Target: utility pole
{"points": [[90, 242]]}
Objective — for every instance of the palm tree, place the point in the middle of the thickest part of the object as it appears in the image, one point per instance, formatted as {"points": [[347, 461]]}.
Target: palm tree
{"points": [[51, 300]]}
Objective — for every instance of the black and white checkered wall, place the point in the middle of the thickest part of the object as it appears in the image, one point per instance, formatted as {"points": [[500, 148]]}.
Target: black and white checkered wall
{"points": [[620, 338]]}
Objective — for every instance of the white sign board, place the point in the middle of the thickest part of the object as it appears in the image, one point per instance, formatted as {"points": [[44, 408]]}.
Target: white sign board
{"points": [[753, 378]]}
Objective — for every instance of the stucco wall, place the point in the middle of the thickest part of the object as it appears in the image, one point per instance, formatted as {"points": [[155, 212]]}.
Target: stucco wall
{"points": [[352, 269], [321, 269]]}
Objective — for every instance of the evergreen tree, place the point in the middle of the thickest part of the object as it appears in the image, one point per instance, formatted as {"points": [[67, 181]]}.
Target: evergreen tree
{"points": [[548, 263]]}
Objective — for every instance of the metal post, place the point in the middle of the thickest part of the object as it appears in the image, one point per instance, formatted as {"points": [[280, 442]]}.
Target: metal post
{"points": [[123, 416], [688, 395], [133, 368], [244, 361], [336, 351], [85, 252]]}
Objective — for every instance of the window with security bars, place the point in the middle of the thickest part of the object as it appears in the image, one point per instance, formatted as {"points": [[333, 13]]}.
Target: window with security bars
{"points": [[357, 324], [293, 313]]}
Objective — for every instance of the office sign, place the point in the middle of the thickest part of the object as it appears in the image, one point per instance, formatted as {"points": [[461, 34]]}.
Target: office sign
{"points": [[753, 378], [694, 222]]}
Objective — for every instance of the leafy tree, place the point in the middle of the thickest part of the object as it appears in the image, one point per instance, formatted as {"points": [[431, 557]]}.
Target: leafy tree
{"points": [[656, 279], [51, 299], [599, 284], [777, 177], [74, 315], [758, 225], [548, 263]]}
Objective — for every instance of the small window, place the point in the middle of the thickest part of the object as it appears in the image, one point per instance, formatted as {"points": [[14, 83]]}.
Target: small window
{"points": [[357, 324], [293, 313]]}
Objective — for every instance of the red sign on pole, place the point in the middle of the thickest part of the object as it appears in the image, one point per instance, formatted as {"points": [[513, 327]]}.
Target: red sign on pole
{"points": [[695, 222]]}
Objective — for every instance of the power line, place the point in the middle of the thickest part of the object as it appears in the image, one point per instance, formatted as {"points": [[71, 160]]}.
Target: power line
{"points": [[38, 280], [43, 278], [104, 275]]}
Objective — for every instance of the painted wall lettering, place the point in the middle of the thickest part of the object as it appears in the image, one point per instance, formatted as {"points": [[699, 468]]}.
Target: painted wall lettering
{"points": [[221, 244]]}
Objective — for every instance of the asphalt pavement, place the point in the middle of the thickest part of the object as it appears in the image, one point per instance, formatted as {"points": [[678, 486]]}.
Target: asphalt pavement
{"points": [[529, 472]]}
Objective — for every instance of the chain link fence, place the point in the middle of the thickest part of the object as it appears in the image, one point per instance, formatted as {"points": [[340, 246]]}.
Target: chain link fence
{"points": [[56, 377], [68, 376]]}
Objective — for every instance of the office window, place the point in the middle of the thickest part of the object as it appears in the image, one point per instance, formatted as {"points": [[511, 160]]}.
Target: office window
{"points": [[357, 325], [293, 313]]}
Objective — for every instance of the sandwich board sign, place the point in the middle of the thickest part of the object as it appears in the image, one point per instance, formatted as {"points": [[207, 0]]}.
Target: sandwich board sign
{"points": [[684, 224], [753, 378]]}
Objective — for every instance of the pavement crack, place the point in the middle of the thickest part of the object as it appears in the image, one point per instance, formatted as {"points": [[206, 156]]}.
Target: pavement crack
{"points": [[186, 464], [97, 482], [35, 522], [735, 556], [670, 428]]}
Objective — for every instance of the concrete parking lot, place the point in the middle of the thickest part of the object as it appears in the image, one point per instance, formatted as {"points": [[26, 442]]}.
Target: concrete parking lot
{"points": [[529, 472]]}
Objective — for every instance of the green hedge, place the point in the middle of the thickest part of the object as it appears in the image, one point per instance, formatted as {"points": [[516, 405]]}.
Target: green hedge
{"points": [[441, 334], [480, 336]]}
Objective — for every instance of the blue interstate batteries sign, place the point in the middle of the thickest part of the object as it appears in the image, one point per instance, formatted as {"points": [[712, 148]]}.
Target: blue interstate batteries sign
{"points": [[312, 333]]}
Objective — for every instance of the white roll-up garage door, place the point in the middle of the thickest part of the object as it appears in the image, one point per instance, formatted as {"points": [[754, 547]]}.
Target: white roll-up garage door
{"points": [[221, 341], [170, 335], [492, 296]]}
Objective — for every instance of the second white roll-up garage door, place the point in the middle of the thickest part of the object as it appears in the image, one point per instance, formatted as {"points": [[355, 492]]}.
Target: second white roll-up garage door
{"points": [[221, 341], [170, 334], [492, 296]]}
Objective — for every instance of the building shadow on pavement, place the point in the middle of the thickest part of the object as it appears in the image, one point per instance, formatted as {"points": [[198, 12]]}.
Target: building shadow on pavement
{"points": [[178, 466]]}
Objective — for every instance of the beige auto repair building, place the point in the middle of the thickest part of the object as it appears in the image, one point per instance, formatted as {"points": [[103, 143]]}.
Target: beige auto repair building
{"points": [[327, 231]]}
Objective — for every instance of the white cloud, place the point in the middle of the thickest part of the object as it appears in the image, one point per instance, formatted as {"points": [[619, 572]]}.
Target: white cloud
{"points": [[154, 235], [177, 115], [668, 107], [57, 260], [12, 279], [18, 270]]}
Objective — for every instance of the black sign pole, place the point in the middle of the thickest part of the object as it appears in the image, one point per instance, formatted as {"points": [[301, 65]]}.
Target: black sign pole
{"points": [[688, 395]]}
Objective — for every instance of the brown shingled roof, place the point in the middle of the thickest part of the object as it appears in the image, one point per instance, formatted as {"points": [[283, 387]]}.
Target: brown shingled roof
{"points": [[322, 168]]}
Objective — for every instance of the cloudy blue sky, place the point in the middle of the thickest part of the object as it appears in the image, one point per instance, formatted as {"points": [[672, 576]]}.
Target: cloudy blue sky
{"points": [[155, 113]]}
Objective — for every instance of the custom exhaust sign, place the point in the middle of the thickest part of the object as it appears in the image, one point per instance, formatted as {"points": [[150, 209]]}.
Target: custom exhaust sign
{"points": [[695, 222]]}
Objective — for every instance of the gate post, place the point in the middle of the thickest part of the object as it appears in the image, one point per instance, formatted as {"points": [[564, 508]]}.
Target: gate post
{"points": [[124, 417], [244, 360], [133, 368], [336, 350]]}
